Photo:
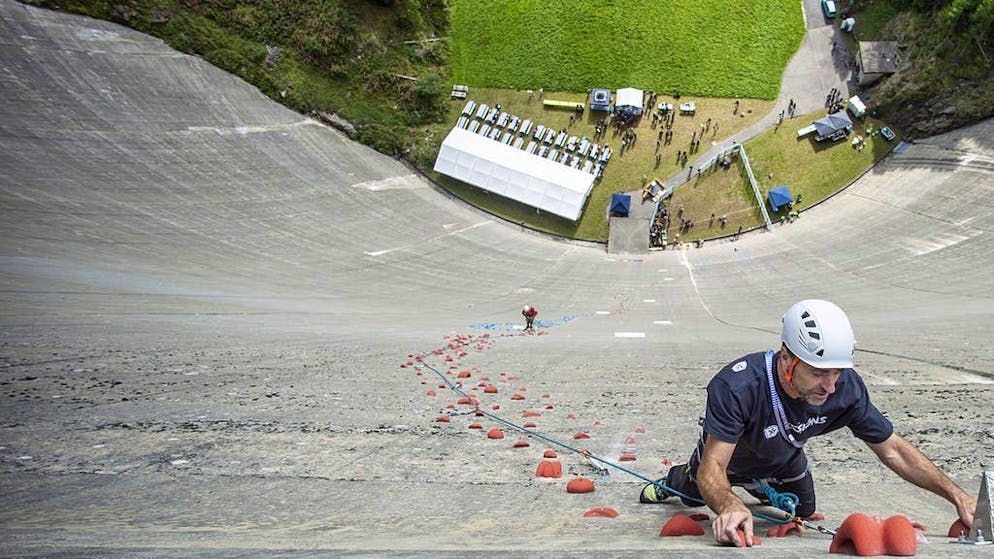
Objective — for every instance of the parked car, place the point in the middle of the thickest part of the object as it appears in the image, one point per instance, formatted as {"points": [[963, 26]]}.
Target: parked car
{"points": [[828, 6], [886, 132]]}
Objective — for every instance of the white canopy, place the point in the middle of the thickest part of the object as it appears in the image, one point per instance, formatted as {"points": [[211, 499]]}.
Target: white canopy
{"points": [[629, 97], [514, 173]]}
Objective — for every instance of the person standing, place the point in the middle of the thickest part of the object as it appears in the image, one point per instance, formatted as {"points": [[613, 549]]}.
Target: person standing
{"points": [[529, 312]]}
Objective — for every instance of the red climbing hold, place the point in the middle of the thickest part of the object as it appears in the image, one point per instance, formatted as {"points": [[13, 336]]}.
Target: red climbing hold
{"points": [[495, 434], [490, 389], [529, 425], [521, 444], [548, 468], [529, 413], [597, 424], [495, 407], [600, 512], [430, 392], [667, 462], [442, 419], [866, 536], [570, 416], [630, 440], [517, 396], [478, 413], [463, 374], [626, 458], [580, 485], [550, 454], [784, 530], [547, 395], [640, 429], [466, 400], [475, 426], [755, 538], [815, 516], [699, 517], [680, 525], [958, 528], [550, 406], [581, 435]]}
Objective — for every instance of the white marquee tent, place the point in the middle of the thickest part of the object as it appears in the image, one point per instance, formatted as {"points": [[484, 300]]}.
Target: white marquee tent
{"points": [[629, 97], [514, 173]]}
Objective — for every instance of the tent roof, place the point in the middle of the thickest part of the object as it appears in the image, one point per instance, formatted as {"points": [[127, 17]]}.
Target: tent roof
{"points": [[629, 97], [514, 173], [832, 123], [779, 196], [621, 203]]}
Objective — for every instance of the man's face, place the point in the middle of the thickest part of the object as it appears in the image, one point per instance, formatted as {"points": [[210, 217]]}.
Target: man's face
{"points": [[814, 385]]}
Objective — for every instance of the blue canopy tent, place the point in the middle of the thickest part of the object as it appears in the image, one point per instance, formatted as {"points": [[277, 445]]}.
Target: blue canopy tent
{"points": [[779, 197], [600, 100], [621, 204]]}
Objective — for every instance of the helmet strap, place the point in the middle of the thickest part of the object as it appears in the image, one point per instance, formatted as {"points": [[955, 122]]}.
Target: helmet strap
{"points": [[789, 373]]}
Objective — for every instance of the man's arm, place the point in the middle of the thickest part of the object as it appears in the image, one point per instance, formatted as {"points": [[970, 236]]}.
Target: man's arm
{"points": [[712, 480], [909, 463]]}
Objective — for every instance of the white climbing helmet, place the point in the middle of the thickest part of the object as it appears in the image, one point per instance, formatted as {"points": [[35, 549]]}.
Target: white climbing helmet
{"points": [[526, 308], [818, 332]]}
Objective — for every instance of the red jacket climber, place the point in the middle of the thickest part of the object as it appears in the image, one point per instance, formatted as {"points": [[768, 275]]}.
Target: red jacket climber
{"points": [[529, 312]]}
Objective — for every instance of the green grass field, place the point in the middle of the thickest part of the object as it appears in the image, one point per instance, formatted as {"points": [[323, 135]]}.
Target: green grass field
{"points": [[714, 48]]}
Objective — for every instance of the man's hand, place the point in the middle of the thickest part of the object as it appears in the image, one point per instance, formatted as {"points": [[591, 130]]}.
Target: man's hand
{"points": [[965, 507], [727, 524]]}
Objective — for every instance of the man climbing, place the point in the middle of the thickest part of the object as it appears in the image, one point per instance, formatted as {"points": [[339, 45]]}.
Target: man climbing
{"points": [[529, 312], [762, 408]]}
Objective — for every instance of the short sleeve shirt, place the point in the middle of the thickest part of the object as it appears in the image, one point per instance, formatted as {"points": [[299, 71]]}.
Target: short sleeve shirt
{"points": [[740, 411]]}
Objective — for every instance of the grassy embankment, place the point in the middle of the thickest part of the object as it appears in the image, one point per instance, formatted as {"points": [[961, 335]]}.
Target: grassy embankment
{"points": [[709, 51]]}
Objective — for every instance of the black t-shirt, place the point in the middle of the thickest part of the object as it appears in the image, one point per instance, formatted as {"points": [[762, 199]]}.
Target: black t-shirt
{"points": [[739, 411]]}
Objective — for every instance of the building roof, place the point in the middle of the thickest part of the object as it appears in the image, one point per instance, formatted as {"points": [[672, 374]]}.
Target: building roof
{"points": [[514, 173]]}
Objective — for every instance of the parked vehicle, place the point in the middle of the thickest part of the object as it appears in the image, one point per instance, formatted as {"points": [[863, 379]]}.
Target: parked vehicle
{"points": [[828, 6]]}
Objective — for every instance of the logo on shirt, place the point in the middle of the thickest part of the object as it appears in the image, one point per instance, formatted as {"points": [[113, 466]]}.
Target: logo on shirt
{"points": [[802, 427], [771, 431], [739, 367]]}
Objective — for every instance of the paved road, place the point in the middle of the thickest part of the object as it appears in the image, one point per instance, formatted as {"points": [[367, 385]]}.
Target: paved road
{"points": [[210, 302]]}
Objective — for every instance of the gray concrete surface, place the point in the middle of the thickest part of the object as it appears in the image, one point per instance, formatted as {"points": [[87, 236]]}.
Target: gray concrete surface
{"points": [[208, 299]]}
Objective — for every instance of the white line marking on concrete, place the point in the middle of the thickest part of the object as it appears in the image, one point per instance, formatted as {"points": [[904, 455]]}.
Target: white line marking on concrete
{"points": [[404, 182], [456, 232], [648, 300], [629, 334], [603, 312], [663, 322]]}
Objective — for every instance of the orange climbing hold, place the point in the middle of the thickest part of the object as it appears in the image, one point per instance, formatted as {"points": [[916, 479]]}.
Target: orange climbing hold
{"points": [[548, 468], [550, 454], [529, 425], [529, 413], [463, 374], [547, 395], [784, 530], [517, 396], [755, 538], [521, 444], [430, 392], [958, 528], [495, 434], [478, 413], [866, 536], [680, 525], [442, 419], [581, 435], [626, 458], [580, 485], [600, 512], [475, 426], [490, 389], [466, 400]]}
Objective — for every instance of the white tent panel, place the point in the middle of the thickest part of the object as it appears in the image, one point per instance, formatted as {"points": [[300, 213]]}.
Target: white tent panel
{"points": [[514, 173], [629, 97]]}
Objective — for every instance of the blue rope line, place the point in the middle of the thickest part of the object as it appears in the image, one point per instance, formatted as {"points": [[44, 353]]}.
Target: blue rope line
{"points": [[774, 496]]}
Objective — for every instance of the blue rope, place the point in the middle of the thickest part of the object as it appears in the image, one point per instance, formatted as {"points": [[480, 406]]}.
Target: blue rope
{"points": [[774, 496]]}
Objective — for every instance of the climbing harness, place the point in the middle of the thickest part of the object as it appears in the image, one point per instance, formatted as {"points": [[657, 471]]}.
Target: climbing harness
{"points": [[783, 499]]}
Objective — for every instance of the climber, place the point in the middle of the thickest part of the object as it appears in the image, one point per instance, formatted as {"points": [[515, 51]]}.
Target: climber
{"points": [[529, 312], [763, 407]]}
